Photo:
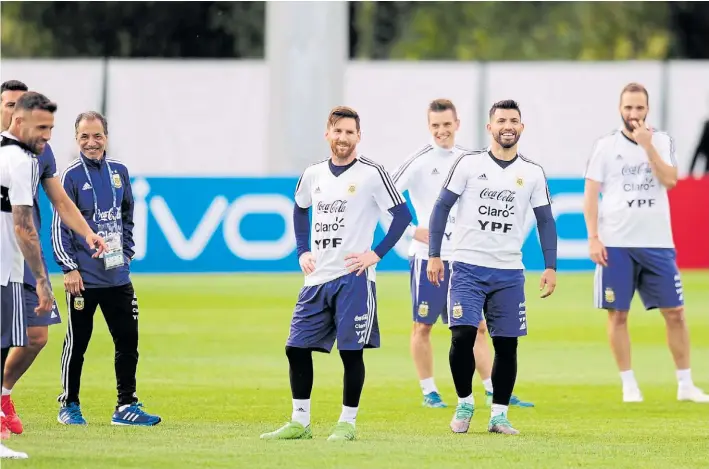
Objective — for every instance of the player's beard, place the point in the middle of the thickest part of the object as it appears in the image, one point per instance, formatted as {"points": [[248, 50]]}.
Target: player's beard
{"points": [[35, 146], [340, 152], [506, 143]]}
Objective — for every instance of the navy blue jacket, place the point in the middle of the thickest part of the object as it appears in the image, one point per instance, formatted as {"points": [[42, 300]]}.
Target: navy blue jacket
{"points": [[72, 253], [47, 168]]}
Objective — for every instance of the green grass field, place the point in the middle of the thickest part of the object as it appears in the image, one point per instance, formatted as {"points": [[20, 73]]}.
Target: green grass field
{"points": [[212, 365]]}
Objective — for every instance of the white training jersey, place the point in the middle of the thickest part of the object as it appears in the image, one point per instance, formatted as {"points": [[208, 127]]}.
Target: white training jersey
{"points": [[422, 175], [634, 210], [18, 182], [345, 212], [493, 207]]}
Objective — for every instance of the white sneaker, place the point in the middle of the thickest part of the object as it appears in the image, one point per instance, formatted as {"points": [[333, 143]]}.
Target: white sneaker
{"points": [[7, 453], [632, 395], [691, 393]]}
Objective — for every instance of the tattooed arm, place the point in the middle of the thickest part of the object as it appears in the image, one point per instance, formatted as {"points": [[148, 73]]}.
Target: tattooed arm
{"points": [[28, 240]]}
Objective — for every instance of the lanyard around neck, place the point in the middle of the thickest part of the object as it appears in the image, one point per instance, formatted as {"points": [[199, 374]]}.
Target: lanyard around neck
{"points": [[110, 183]]}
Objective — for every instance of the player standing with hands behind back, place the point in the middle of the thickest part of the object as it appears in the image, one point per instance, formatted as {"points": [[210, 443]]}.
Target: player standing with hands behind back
{"points": [[494, 190], [347, 193], [630, 237]]}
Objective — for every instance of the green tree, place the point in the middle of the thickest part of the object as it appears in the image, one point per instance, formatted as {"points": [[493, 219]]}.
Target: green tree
{"points": [[133, 29], [536, 31]]}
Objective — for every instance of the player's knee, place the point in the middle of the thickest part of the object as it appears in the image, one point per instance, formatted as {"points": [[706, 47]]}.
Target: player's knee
{"points": [[422, 330], [673, 316], [297, 354], [38, 337], [463, 335], [505, 347], [482, 329], [352, 358], [618, 318]]}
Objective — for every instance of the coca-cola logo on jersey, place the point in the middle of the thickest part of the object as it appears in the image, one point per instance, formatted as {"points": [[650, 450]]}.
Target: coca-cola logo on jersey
{"points": [[337, 206], [502, 196], [637, 169]]}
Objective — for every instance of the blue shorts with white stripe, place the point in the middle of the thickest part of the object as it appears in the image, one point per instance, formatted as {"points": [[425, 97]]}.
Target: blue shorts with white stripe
{"points": [[13, 319], [344, 309]]}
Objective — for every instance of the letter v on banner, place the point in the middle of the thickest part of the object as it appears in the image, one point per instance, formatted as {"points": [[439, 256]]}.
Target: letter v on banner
{"points": [[188, 249]]}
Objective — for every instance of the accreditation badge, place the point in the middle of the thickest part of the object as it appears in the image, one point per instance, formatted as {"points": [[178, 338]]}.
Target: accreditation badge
{"points": [[113, 237]]}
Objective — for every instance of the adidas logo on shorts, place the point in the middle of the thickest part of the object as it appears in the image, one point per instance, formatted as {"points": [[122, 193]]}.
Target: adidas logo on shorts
{"points": [[483, 177]]}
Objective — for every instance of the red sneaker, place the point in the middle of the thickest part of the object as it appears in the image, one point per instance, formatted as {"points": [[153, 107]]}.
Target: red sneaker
{"points": [[4, 432], [11, 421]]}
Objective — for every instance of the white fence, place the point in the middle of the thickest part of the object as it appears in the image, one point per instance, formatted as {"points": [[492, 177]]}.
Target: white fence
{"points": [[210, 118]]}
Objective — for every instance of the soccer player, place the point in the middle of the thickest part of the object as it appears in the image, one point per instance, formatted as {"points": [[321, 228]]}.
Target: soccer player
{"points": [[496, 188], [422, 176], [347, 193], [630, 237], [100, 187], [31, 127], [21, 358]]}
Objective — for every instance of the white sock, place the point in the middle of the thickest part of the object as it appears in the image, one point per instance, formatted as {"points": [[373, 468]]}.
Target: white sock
{"points": [[301, 411], [684, 378], [349, 414], [498, 409], [428, 386], [628, 379], [487, 383], [466, 400], [5, 391]]}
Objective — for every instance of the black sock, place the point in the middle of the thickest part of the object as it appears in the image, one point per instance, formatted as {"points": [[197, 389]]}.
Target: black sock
{"points": [[5, 353], [300, 371], [461, 358], [504, 369], [353, 382]]}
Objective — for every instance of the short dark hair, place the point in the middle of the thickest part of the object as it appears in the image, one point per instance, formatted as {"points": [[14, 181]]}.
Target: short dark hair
{"points": [[441, 105], [342, 112], [505, 104], [635, 88], [33, 101], [90, 116], [13, 85]]}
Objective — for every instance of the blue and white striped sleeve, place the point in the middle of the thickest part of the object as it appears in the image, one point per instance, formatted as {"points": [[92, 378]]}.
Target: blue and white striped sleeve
{"points": [[404, 174], [667, 151], [458, 175], [303, 197], [386, 195], [62, 236]]}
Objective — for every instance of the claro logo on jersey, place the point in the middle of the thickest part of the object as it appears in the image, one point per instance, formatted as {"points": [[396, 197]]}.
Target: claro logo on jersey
{"points": [[502, 210]]}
